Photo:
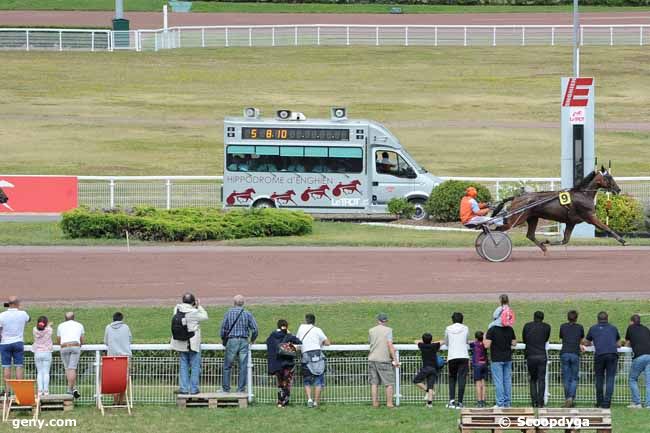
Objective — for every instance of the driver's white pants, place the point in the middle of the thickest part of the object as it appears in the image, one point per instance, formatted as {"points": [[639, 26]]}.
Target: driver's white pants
{"points": [[478, 220]]}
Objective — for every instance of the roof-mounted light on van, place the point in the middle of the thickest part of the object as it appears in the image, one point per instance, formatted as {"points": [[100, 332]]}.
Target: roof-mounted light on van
{"points": [[290, 115], [251, 113], [338, 113]]}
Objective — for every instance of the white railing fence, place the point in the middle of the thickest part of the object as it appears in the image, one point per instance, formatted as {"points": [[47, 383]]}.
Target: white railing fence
{"points": [[321, 35], [154, 372], [170, 192]]}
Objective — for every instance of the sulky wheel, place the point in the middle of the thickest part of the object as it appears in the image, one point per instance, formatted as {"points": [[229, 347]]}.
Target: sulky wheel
{"points": [[496, 247], [477, 244]]}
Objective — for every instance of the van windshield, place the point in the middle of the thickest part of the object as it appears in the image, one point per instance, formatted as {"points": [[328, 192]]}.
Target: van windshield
{"points": [[419, 168]]}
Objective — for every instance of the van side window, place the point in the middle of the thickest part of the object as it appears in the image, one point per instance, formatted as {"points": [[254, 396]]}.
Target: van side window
{"points": [[393, 164], [294, 159]]}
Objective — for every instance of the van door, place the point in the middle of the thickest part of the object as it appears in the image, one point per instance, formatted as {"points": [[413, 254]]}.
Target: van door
{"points": [[393, 176]]}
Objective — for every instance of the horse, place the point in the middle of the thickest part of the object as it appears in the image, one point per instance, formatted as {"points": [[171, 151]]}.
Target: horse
{"points": [[582, 208]]}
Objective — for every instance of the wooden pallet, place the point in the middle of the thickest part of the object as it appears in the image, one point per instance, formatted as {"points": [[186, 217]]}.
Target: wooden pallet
{"points": [[491, 419], [599, 419], [64, 402], [213, 400]]}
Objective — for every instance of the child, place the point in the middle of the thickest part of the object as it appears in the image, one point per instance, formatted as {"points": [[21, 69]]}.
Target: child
{"points": [[479, 365], [42, 348], [497, 319], [426, 377]]}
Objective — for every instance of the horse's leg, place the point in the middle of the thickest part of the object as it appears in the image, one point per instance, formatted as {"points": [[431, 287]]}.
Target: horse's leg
{"points": [[593, 219], [568, 229], [532, 226]]}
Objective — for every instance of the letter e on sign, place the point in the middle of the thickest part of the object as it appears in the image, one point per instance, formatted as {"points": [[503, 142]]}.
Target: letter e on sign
{"points": [[576, 93]]}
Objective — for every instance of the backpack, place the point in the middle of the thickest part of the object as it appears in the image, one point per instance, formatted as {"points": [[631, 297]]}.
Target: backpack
{"points": [[507, 316], [179, 329]]}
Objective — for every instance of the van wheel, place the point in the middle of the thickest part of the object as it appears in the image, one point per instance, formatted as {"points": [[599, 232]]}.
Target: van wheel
{"points": [[420, 211], [263, 204]]}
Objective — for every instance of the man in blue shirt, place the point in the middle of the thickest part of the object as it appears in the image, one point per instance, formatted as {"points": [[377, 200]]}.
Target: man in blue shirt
{"points": [[606, 341], [236, 327]]}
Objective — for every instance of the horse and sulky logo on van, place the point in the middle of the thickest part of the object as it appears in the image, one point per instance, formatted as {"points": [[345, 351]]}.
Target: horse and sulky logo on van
{"points": [[342, 194]]}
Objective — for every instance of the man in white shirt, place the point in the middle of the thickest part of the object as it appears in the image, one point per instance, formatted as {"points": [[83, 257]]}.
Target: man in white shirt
{"points": [[313, 360], [70, 336], [12, 322]]}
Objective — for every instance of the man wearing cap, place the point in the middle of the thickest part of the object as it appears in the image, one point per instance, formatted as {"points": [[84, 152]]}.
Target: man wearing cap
{"points": [[471, 211], [382, 360], [12, 322]]}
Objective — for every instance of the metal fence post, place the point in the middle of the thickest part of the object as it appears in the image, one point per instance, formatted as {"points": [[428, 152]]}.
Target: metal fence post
{"points": [[60, 40], [227, 41], [27, 40], [112, 193], [552, 36], [582, 36], [168, 189], [377, 36], [249, 374], [250, 36], [397, 380], [155, 41], [641, 35], [494, 36], [435, 36], [179, 38], [611, 36], [97, 382], [347, 35], [523, 35], [92, 42], [318, 35], [497, 186], [295, 36], [273, 36], [202, 37], [465, 36], [406, 36]]}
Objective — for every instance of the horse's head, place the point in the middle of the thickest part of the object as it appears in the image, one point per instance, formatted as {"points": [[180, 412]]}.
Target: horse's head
{"points": [[3, 197], [604, 180]]}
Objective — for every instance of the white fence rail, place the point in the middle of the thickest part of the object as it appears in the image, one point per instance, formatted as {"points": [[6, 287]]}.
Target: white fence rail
{"points": [[154, 371], [321, 35], [170, 192]]}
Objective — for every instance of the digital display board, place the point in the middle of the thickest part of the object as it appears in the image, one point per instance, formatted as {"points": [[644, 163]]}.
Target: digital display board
{"points": [[304, 134]]}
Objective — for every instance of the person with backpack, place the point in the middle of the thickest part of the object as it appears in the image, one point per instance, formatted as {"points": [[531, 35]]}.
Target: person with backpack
{"points": [[282, 355], [236, 327], [313, 359], [504, 315], [186, 340], [426, 377]]}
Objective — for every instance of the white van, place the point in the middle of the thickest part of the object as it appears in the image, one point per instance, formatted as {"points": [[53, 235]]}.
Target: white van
{"points": [[321, 166]]}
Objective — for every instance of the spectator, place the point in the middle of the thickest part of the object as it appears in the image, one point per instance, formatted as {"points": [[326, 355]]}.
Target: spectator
{"points": [[479, 366], [535, 336], [637, 337], [236, 327], [70, 336], [426, 378], [456, 336], [313, 359], [186, 340], [117, 338], [12, 348], [497, 316], [279, 365], [606, 341], [42, 349], [381, 360], [571, 334], [501, 340]]}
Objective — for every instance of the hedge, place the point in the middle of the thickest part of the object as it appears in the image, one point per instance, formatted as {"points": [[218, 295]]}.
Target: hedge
{"points": [[458, 2], [184, 225], [625, 213], [401, 207], [444, 202]]}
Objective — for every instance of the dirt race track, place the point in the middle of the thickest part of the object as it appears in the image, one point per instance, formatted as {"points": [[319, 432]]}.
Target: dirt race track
{"points": [[154, 275], [154, 20]]}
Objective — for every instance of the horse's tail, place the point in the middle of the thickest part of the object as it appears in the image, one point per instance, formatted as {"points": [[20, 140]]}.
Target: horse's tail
{"points": [[501, 204]]}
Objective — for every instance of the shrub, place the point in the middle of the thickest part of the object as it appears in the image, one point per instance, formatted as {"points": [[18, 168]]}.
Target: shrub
{"points": [[401, 207], [184, 224], [625, 213], [444, 202]]}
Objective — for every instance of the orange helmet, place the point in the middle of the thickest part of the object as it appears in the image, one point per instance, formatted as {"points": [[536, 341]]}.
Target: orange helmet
{"points": [[471, 191]]}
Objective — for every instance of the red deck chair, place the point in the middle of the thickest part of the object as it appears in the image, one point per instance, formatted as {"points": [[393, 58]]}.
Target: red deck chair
{"points": [[24, 396], [115, 379]]}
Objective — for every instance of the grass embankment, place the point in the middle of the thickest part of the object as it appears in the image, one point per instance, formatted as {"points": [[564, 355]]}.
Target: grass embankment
{"points": [[323, 234], [326, 419], [161, 113], [234, 7], [347, 322]]}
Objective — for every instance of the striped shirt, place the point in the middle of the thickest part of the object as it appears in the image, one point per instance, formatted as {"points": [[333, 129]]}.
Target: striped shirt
{"points": [[242, 327]]}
